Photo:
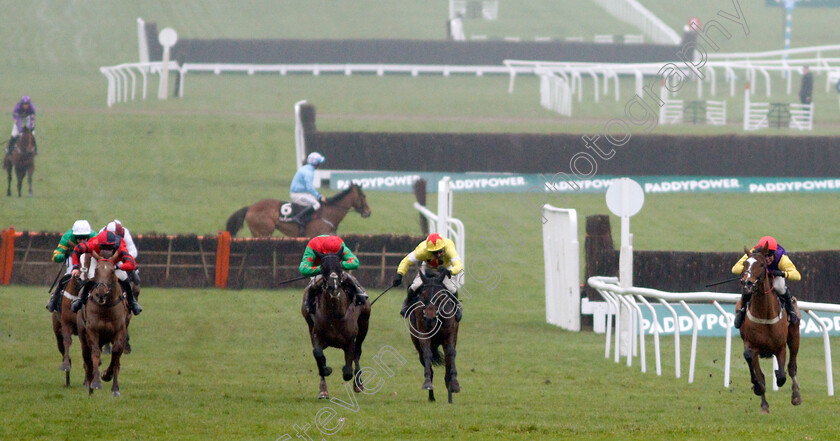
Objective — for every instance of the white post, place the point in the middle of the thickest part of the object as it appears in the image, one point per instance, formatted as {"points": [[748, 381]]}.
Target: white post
{"points": [[300, 139], [444, 209], [747, 106], [167, 38], [142, 42]]}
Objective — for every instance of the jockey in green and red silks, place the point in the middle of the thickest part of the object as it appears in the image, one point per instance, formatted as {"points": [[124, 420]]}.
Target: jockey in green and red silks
{"points": [[780, 267], [107, 244], [310, 266]]}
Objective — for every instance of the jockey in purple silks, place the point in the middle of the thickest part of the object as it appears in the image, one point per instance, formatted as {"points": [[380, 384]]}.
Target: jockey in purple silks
{"points": [[24, 116]]}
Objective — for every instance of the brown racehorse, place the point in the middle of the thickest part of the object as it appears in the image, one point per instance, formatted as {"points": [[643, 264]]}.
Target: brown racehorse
{"points": [[264, 216], [766, 330], [64, 321], [22, 160], [338, 322], [103, 320], [432, 324]]}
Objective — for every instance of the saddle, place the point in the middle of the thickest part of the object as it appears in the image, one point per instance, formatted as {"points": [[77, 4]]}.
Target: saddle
{"points": [[289, 211]]}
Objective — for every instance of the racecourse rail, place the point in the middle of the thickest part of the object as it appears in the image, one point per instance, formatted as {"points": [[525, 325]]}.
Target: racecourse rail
{"points": [[618, 297]]}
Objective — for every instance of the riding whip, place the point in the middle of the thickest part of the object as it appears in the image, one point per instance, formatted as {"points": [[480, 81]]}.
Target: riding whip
{"points": [[293, 280], [60, 270], [724, 281], [380, 295]]}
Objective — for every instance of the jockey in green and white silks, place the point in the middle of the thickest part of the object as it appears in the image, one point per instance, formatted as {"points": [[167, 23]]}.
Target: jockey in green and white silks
{"points": [[780, 267], [80, 232]]}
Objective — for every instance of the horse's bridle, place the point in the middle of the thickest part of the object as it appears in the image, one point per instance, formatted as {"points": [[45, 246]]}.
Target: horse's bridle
{"points": [[752, 287]]}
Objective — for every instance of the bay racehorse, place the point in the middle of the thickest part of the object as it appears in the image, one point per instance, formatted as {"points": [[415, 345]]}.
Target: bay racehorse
{"points": [[338, 322], [264, 216], [22, 160], [64, 320], [432, 324], [766, 330], [103, 320]]}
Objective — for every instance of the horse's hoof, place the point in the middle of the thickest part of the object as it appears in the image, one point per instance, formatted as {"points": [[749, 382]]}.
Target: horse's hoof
{"points": [[765, 411], [347, 373], [797, 400], [107, 377], [127, 349], [327, 371], [454, 387], [781, 381], [65, 367], [324, 396], [96, 385], [115, 394], [428, 385]]}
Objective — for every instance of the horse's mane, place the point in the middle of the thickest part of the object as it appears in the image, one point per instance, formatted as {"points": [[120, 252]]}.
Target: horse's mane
{"points": [[337, 197]]}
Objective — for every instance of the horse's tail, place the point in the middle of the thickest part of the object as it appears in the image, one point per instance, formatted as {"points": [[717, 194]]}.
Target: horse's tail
{"points": [[235, 221]]}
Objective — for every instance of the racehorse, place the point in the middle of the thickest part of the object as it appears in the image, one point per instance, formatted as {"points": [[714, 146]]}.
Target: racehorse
{"points": [[766, 330], [22, 160], [64, 321], [103, 320], [432, 324], [263, 217], [338, 322]]}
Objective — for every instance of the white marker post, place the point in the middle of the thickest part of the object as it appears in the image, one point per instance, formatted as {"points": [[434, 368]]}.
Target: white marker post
{"points": [[625, 198], [167, 38]]}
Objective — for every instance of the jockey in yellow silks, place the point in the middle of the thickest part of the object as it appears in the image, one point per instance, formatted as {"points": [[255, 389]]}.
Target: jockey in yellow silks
{"points": [[436, 252], [780, 267]]}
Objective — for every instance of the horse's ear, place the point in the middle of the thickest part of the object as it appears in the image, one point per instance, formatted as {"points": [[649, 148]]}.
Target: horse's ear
{"points": [[746, 251], [318, 254], [423, 276], [114, 258], [95, 255]]}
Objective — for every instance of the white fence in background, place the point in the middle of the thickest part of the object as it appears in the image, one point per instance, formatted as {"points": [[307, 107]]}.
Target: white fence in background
{"points": [[633, 299], [443, 222], [122, 79], [632, 12], [757, 114], [555, 94], [561, 252]]}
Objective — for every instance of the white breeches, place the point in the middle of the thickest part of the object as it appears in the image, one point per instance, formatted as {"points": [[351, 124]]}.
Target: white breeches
{"points": [[305, 199], [122, 275], [449, 283], [779, 285]]}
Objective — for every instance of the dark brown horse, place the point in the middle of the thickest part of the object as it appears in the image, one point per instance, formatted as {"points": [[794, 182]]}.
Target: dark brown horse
{"points": [[22, 160], [766, 330], [432, 324], [64, 321], [103, 320], [338, 322], [263, 217]]}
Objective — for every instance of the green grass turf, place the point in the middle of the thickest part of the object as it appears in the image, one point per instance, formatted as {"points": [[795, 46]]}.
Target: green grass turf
{"points": [[210, 364]]}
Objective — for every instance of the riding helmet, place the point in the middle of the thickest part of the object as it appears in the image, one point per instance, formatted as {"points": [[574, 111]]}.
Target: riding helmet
{"points": [[314, 158], [25, 100], [109, 241], [769, 241], [435, 243], [116, 227], [81, 228]]}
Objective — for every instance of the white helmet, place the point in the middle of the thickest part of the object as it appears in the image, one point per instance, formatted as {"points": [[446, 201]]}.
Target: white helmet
{"points": [[81, 228], [116, 227], [315, 158]]}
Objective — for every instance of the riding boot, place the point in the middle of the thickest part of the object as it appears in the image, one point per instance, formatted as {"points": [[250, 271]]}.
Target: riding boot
{"points": [[55, 299], [135, 307], [300, 217], [83, 296], [310, 299], [359, 293], [11, 145], [741, 313], [459, 306], [793, 318], [127, 349], [407, 302]]}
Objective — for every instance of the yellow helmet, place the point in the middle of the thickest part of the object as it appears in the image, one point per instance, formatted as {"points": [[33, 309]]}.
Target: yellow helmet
{"points": [[435, 242]]}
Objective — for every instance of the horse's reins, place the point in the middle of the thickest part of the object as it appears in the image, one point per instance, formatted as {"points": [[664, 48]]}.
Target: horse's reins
{"points": [[758, 320]]}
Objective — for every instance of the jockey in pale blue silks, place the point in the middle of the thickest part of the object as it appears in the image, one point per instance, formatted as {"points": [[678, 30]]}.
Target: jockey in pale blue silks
{"points": [[24, 115], [302, 190]]}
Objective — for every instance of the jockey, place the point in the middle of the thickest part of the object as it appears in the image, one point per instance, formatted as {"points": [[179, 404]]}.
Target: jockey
{"points": [[303, 192], [435, 252], [780, 267], [116, 227], [23, 114], [106, 244], [310, 266], [79, 233]]}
